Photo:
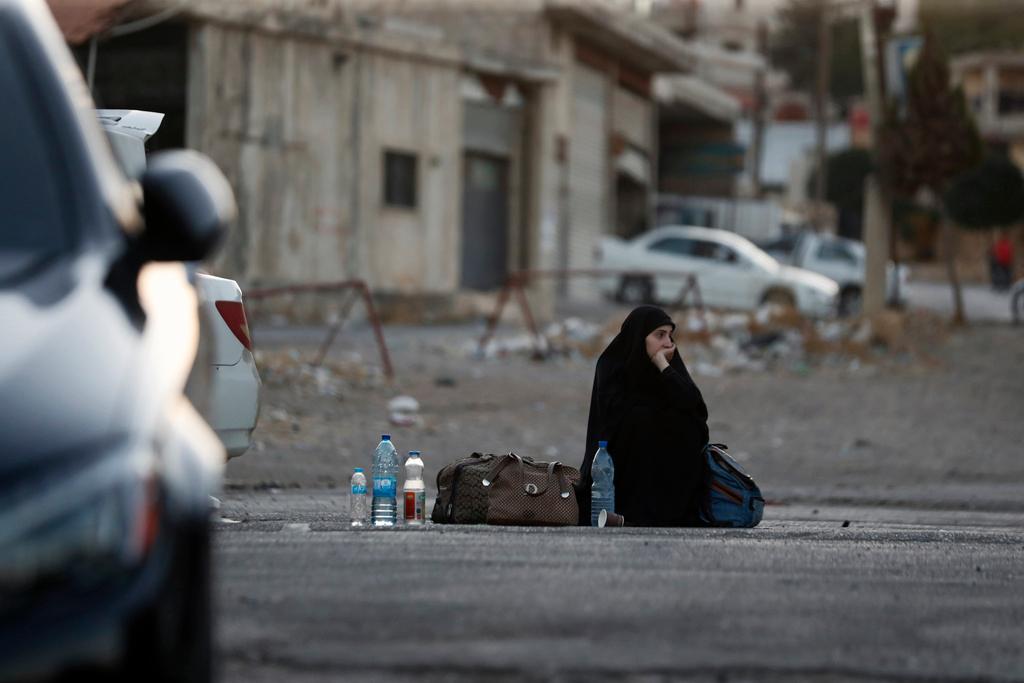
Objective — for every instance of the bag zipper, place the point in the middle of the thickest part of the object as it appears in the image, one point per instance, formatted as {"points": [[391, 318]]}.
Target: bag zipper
{"points": [[727, 492], [449, 512], [726, 464]]}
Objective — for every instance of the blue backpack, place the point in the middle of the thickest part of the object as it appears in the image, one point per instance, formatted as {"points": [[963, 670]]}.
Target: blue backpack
{"points": [[730, 497]]}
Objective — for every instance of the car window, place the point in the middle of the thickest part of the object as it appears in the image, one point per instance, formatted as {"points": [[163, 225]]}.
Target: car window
{"points": [[836, 251], [36, 224], [677, 246], [725, 254], [784, 244], [705, 249]]}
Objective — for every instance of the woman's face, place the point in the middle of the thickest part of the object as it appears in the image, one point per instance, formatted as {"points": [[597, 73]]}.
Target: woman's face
{"points": [[661, 338]]}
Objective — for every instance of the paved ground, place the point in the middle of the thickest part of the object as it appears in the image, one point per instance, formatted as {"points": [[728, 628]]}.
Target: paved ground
{"points": [[921, 453], [981, 303], [801, 598]]}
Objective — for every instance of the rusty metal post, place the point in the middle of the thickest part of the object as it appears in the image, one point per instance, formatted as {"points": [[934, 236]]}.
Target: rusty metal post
{"points": [[492, 322], [519, 279], [371, 311], [524, 306], [346, 308], [692, 287]]}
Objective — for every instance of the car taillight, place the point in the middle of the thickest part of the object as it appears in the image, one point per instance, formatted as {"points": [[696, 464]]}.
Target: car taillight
{"points": [[233, 313]]}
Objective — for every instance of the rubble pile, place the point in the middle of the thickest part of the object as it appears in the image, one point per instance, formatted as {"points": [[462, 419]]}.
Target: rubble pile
{"points": [[333, 377], [772, 337]]}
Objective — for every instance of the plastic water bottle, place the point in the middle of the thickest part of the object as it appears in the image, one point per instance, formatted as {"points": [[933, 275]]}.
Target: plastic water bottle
{"points": [[357, 501], [384, 510], [414, 490], [602, 488]]}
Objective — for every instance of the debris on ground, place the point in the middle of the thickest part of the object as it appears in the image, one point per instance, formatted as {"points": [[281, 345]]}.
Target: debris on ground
{"points": [[772, 337], [404, 411], [332, 378]]}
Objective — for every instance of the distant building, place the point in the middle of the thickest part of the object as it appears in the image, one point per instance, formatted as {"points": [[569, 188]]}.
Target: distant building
{"points": [[993, 83], [427, 147], [699, 153], [729, 37], [787, 161]]}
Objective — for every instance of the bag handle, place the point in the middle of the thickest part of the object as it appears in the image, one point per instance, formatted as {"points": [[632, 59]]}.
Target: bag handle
{"points": [[564, 485], [531, 489], [503, 461], [556, 472]]}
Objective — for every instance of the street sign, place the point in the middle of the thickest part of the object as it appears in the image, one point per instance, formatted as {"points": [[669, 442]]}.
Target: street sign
{"points": [[900, 56]]}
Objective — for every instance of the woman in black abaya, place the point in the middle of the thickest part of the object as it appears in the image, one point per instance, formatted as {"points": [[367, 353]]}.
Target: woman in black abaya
{"points": [[646, 406]]}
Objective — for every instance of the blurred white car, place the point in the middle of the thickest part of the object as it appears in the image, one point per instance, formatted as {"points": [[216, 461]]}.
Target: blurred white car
{"points": [[233, 395], [844, 260], [731, 271]]}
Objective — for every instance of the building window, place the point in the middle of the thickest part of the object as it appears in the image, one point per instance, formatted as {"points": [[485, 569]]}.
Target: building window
{"points": [[1011, 102], [399, 179]]}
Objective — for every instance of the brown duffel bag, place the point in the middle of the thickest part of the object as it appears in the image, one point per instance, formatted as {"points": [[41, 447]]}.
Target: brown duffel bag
{"points": [[461, 496], [523, 492]]}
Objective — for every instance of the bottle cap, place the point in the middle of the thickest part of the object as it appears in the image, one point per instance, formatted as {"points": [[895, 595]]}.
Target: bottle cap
{"points": [[413, 454], [358, 469], [602, 444], [385, 437]]}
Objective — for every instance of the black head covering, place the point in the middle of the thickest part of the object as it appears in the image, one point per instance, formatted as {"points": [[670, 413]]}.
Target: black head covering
{"points": [[627, 380], [625, 375]]}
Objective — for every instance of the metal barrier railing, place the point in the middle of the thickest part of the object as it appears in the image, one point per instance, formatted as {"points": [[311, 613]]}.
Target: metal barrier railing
{"points": [[517, 282], [351, 289]]}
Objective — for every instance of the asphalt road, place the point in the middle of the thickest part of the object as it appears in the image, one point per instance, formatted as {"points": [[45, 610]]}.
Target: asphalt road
{"points": [[895, 595], [981, 303]]}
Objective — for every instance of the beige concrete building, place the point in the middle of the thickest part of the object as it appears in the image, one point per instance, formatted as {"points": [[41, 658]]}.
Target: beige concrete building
{"points": [[589, 123], [993, 83], [427, 147]]}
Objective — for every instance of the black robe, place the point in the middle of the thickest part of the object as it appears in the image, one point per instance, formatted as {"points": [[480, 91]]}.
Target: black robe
{"points": [[655, 424]]}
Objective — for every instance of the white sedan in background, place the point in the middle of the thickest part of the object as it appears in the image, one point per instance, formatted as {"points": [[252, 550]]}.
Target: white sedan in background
{"points": [[731, 271], [233, 395]]}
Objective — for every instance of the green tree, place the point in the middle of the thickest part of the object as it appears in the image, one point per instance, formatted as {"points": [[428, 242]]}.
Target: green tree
{"points": [[988, 196], [845, 175], [933, 143], [794, 49], [846, 172]]}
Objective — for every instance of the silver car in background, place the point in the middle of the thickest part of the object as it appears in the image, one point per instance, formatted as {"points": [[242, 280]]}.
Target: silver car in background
{"points": [[231, 403], [106, 468]]}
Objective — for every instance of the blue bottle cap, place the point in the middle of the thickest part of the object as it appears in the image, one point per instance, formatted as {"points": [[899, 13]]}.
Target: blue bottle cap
{"points": [[358, 469], [385, 437], [602, 444], [413, 453]]}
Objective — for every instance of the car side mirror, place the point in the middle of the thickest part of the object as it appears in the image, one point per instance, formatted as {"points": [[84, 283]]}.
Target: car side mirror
{"points": [[187, 206]]}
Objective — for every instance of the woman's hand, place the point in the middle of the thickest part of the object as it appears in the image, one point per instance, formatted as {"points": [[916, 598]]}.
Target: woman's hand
{"points": [[661, 357]]}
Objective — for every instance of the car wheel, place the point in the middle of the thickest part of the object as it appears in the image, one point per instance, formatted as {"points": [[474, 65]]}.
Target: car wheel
{"points": [[850, 301], [780, 297], [636, 290], [171, 640]]}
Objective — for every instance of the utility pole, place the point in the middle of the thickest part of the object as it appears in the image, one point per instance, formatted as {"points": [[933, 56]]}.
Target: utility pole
{"points": [[759, 109], [821, 110], [878, 204]]}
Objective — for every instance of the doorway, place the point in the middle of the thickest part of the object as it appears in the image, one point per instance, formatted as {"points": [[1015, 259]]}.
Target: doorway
{"points": [[484, 222]]}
